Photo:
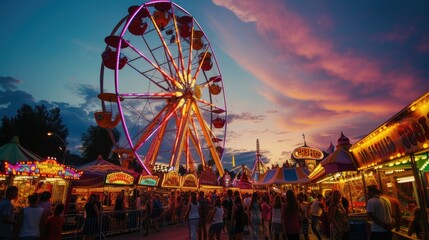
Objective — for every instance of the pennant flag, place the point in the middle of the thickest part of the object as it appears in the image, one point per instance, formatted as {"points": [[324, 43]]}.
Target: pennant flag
{"points": [[233, 160]]}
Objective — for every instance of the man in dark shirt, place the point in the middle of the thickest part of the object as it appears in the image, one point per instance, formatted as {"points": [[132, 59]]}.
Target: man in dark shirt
{"points": [[227, 204], [7, 213]]}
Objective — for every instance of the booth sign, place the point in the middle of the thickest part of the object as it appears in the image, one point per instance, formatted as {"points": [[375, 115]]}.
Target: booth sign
{"points": [[119, 178]]}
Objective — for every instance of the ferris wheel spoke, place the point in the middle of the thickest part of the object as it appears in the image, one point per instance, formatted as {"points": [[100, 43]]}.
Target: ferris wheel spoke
{"points": [[155, 145], [208, 139], [156, 66], [196, 141], [166, 49], [210, 105], [151, 79], [156, 123], [181, 133], [152, 96]]}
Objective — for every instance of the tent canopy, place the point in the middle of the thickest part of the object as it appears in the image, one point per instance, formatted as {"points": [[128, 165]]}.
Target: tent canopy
{"points": [[282, 175], [341, 160], [95, 172], [13, 152]]}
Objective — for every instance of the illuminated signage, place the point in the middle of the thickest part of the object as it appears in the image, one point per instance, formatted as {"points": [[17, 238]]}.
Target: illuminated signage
{"points": [[171, 179], [150, 181], [307, 153], [190, 180], [47, 168], [119, 178], [406, 133]]}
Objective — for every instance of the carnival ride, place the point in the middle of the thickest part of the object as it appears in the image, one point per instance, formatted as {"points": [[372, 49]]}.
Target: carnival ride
{"points": [[160, 79], [259, 166]]}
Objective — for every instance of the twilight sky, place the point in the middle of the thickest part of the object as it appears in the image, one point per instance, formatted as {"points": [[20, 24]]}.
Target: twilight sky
{"points": [[289, 67]]}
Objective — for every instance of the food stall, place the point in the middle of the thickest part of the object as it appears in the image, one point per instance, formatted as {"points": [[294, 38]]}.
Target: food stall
{"points": [[37, 177], [396, 155], [104, 179]]}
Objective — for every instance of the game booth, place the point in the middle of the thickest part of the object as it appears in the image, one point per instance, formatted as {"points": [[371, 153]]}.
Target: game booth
{"points": [[104, 179], [32, 174]]}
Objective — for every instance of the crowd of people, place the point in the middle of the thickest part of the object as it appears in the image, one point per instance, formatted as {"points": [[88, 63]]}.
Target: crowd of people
{"points": [[36, 221], [271, 215]]}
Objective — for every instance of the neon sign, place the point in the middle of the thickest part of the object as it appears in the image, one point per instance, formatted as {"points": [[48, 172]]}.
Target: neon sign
{"points": [[119, 178], [47, 168], [190, 180], [307, 153], [150, 181]]}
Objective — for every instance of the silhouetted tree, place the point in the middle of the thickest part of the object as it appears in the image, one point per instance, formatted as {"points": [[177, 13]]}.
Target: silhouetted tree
{"points": [[97, 141], [31, 125]]}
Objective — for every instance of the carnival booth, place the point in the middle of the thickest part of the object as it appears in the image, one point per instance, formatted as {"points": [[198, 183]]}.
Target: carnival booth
{"points": [[104, 179], [339, 171], [31, 174], [396, 154]]}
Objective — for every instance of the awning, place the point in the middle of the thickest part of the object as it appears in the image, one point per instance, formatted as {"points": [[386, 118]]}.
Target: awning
{"points": [[95, 172]]}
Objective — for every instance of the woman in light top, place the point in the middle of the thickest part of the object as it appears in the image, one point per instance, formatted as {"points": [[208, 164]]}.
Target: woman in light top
{"points": [[193, 216], [31, 220], [217, 220], [254, 213], [276, 218]]}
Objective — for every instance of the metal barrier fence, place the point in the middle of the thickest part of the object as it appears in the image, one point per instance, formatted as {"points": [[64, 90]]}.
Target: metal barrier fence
{"points": [[111, 223]]}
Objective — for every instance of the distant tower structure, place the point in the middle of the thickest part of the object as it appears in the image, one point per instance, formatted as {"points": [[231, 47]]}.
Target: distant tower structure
{"points": [[259, 166]]}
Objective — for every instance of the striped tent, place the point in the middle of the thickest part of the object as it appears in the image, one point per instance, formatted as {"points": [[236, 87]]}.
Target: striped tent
{"points": [[341, 160], [94, 173], [282, 175], [13, 152]]}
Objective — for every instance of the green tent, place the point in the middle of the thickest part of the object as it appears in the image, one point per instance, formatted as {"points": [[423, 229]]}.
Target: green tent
{"points": [[12, 152]]}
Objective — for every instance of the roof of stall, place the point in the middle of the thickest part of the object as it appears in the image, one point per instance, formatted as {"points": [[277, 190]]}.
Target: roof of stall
{"points": [[13, 152]]}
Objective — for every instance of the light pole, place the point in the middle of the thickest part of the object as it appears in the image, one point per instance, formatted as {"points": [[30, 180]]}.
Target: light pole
{"points": [[64, 145]]}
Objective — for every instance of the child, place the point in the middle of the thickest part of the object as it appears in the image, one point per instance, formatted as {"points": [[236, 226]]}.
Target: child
{"points": [[55, 223]]}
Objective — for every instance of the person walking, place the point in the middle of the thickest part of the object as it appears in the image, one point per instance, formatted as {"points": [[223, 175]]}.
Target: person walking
{"points": [[266, 217], [291, 216], [203, 211], [119, 210], [193, 216], [227, 204], [216, 217], [303, 205], [237, 218], [316, 212], [339, 225], [7, 213], [45, 203], [276, 218], [156, 210], [55, 223], [378, 210], [254, 214], [90, 226], [31, 220]]}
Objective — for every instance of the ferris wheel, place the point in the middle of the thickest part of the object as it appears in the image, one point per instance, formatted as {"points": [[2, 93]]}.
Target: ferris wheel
{"points": [[160, 79]]}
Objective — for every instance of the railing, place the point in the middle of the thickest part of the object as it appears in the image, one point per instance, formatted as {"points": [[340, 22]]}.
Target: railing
{"points": [[112, 223]]}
